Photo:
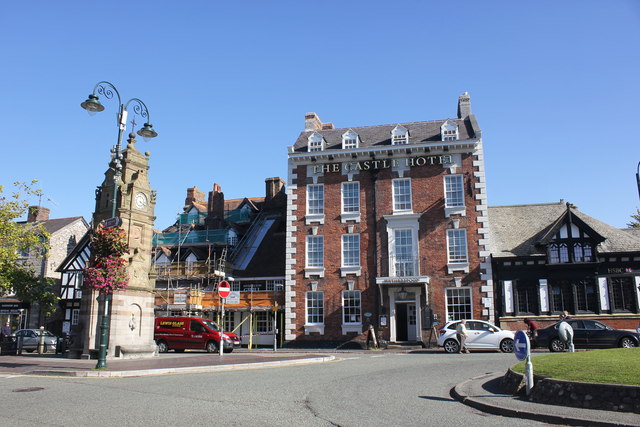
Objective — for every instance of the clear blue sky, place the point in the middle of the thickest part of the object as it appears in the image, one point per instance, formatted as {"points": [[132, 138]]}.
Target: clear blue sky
{"points": [[554, 85]]}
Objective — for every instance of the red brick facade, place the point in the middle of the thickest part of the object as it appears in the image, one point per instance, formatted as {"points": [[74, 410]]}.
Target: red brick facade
{"points": [[398, 298]]}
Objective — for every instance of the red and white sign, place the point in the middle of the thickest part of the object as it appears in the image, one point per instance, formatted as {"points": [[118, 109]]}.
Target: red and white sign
{"points": [[223, 289]]}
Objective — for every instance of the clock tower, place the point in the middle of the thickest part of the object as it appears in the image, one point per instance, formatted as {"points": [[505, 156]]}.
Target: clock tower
{"points": [[132, 310]]}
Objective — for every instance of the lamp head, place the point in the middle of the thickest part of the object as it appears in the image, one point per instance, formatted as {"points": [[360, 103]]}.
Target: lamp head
{"points": [[92, 105], [147, 132]]}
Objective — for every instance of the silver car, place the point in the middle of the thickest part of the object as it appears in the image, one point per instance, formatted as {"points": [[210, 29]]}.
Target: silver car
{"points": [[31, 339]]}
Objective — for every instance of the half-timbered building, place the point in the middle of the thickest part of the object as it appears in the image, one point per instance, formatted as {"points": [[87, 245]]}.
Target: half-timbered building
{"points": [[550, 258]]}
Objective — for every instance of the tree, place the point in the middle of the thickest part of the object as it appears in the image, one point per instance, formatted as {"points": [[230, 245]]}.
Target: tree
{"points": [[17, 238], [636, 220]]}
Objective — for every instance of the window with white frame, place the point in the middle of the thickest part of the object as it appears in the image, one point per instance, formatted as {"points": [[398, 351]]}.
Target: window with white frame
{"points": [[349, 140], [454, 194], [458, 303], [315, 142], [277, 285], [229, 321], [351, 307], [264, 321], [404, 255], [399, 135], [315, 251], [75, 316], [315, 199], [449, 131], [351, 197], [315, 307], [402, 195], [232, 238], [457, 245], [350, 250]]}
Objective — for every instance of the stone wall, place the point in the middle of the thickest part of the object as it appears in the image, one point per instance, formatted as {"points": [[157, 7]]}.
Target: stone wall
{"points": [[610, 397]]}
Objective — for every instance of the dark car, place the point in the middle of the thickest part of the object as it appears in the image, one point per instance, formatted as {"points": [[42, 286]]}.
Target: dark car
{"points": [[587, 333]]}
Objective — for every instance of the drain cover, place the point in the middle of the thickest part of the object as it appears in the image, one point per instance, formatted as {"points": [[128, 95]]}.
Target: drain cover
{"points": [[24, 390]]}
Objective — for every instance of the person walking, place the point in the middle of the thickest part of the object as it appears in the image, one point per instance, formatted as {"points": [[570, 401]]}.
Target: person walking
{"points": [[532, 327], [461, 335], [565, 331]]}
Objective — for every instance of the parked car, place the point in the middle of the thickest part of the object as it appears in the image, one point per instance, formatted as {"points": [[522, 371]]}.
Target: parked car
{"points": [[31, 339], [181, 333], [481, 335], [587, 333]]}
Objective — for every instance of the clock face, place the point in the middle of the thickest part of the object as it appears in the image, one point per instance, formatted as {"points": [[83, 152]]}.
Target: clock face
{"points": [[140, 201]]}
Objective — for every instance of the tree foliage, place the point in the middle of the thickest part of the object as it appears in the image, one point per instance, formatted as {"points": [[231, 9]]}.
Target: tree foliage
{"points": [[636, 220], [16, 238]]}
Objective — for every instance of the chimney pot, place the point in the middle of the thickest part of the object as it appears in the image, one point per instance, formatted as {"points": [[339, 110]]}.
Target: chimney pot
{"points": [[38, 213]]}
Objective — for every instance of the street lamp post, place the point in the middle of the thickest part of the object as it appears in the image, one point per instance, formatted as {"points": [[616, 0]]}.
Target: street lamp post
{"points": [[638, 178], [93, 105]]}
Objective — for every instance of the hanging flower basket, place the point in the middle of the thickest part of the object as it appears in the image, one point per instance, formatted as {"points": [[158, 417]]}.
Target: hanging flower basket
{"points": [[107, 271], [107, 275]]}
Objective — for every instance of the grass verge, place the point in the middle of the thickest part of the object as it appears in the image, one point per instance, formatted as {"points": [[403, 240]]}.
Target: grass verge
{"points": [[610, 366]]}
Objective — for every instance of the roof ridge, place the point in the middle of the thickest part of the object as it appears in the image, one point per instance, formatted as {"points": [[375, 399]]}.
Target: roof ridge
{"points": [[383, 125], [562, 202]]}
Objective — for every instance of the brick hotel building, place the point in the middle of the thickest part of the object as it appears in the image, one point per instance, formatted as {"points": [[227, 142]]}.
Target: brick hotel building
{"points": [[386, 226]]}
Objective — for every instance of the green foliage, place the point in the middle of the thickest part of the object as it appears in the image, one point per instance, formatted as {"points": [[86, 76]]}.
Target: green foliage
{"points": [[636, 220], [610, 366], [17, 238], [29, 287]]}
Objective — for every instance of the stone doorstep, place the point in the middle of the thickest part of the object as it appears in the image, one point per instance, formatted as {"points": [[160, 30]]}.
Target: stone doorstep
{"points": [[610, 397]]}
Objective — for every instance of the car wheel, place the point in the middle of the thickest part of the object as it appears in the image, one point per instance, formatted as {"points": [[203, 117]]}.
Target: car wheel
{"points": [[162, 347], [451, 346], [212, 347], [179, 350], [227, 350], [506, 345], [556, 344], [626, 342], [30, 350]]}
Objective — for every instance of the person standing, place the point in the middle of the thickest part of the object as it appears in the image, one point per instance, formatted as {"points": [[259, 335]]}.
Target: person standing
{"points": [[5, 333], [461, 335]]}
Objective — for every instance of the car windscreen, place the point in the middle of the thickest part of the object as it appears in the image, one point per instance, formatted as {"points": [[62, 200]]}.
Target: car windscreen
{"points": [[211, 325]]}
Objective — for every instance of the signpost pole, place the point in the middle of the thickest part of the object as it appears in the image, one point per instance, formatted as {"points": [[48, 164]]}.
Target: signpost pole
{"points": [[528, 372], [221, 328]]}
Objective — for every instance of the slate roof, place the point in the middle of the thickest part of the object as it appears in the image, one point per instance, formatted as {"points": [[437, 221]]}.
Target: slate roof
{"points": [[380, 135], [54, 225], [515, 230]]}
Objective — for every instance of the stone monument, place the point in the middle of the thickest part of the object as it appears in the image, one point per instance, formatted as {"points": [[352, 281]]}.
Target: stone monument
{"points": [[132, 310]]}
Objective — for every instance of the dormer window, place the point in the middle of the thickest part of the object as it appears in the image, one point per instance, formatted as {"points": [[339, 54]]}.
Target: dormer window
{"points": [[449, 131], [316, 142], [399, 135], [570, 244], [350, 140]]}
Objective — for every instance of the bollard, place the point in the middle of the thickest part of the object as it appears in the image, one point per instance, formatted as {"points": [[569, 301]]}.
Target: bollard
{"points": [[41, 342]]}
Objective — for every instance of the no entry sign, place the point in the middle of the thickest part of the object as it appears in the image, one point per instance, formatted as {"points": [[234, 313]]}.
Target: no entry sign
{"points": [[223, 289]]}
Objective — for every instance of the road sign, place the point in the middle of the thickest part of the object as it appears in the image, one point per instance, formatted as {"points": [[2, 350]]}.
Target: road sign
{"points": [[224, 289], [521, 345], [233, 298], [112, 222]]}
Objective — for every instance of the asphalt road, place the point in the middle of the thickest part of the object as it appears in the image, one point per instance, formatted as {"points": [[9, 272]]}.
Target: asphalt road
{"points": [[358, 389]]}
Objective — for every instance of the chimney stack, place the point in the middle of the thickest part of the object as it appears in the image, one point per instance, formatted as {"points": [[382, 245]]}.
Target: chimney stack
{"points": [[194, 195], [464, 106], [215, 208], [312, 122], [273, 187], [38, 213]]}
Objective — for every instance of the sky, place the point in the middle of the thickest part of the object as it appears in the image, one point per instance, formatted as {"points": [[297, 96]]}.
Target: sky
{"points": [[553, 84]]}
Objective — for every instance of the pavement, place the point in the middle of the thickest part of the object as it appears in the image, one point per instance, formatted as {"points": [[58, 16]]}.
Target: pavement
{"points": [[482, 392]]}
